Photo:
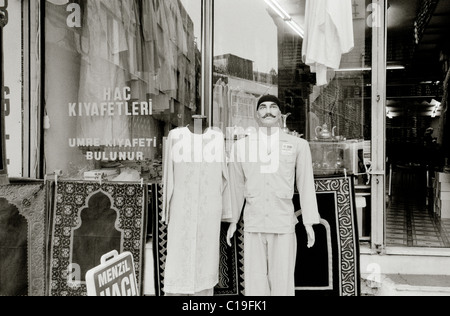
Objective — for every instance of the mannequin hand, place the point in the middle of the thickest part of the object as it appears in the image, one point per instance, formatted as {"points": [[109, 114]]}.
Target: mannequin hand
{"points": [[311, 236], [230, 233]]}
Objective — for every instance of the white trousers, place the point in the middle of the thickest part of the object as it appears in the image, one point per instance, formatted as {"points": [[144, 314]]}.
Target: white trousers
{"points": [[269, 264]]}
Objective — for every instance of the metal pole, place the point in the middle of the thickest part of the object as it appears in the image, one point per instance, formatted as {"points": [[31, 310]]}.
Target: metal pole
{"points": [[3, 164], [207, 58], [378, 125]]}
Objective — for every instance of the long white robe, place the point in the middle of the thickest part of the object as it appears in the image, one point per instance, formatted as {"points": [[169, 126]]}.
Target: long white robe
{"points": [[328, 35], [196, 201]]}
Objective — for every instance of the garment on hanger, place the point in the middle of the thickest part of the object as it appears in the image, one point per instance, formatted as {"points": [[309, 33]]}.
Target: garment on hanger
{"points": [[130, 26], [166, 77], [147, 56], [196, 200], [149, 26], [99, 71], [102, 218], [328, 35]]}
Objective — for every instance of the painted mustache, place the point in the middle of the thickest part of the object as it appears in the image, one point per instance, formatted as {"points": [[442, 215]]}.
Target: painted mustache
{"points": [[269, 115]]}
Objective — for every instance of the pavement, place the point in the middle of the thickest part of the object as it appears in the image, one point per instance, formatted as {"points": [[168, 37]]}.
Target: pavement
{"points": [[407, 285]]}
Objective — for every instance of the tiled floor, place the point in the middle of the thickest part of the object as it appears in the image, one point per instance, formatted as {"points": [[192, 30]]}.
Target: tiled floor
{"points": [[410, 222]]}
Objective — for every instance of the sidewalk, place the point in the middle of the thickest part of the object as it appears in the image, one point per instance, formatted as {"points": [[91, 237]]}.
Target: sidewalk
{"points": [[408, 285]]}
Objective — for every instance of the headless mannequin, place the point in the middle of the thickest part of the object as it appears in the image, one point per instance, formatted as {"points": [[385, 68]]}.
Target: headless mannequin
{"points": [[199, 124]]}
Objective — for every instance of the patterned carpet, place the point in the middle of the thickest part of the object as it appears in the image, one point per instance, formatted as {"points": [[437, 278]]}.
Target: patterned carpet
{"points": [[22, 239], [90, 220], [331, 267]]}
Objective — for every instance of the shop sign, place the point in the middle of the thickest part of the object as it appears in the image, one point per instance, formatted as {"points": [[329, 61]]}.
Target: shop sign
{"points": [[114, 277]]}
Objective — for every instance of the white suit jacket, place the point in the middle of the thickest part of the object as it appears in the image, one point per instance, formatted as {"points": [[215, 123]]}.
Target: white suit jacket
{"points": [[267, 184]]}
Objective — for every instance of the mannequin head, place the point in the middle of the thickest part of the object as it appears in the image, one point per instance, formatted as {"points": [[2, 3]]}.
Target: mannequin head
{"points": [[268, 111]]}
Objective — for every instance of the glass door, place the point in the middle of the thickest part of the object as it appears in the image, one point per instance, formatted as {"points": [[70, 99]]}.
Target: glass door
{"points": [[418, 207], [119, 75]]}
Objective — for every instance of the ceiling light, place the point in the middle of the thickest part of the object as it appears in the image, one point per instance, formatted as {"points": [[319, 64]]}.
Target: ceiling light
{"points": [[297, 29], [394, 67], [437, 106], [435, 103], [389, 114], [286, 17], [278, 9], [59, 2]]}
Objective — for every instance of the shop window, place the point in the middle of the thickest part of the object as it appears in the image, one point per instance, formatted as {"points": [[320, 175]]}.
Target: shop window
{"points": [[119, 75], [263, 52]]}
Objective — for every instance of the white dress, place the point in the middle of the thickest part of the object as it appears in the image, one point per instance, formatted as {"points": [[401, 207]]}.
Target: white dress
{"points": [[328, 35], [196, 201]]}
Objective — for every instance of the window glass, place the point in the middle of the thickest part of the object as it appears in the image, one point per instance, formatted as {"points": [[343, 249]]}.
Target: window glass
{"points": [[260, 48], [417, 213], [119, 76]]}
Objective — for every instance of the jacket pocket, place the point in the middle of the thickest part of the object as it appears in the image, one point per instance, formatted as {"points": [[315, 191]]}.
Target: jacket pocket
{"points": [[285, 206], [287, 159], [287, 165], [283, 195], [251, 197]]}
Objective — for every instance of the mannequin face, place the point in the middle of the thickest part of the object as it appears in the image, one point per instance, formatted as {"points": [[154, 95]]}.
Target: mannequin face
{"points": [[268, 115]]}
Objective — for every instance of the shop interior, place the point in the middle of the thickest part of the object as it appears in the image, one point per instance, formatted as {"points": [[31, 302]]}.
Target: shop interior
{"points": [[417, 209]]}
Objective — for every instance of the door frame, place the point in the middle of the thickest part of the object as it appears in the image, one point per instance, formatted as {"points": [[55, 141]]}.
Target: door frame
{"points": [[379, 86]]}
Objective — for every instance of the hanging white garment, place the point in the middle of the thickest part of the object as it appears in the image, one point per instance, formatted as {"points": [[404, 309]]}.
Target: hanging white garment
{"points": [[102, 41], [196, 199], [328, 35]]}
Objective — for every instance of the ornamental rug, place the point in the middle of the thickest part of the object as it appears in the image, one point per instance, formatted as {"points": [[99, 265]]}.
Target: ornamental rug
{"points": [[89, 221], [231, 265], [331, 267], [22, 239]]}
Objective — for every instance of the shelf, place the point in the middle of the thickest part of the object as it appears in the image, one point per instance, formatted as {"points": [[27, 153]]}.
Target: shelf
{"points": [[414, 97], [397, 98]]}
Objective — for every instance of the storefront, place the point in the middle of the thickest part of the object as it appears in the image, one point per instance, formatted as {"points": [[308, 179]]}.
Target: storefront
{"points": [[93, 87]]}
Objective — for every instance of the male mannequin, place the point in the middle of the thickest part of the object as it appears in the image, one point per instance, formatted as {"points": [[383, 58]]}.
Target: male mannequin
{"points": [[196, 201], [269, 215]]}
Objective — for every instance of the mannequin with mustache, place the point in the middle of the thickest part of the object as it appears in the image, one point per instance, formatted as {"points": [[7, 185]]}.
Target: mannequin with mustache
{"points": [[269, 215]]}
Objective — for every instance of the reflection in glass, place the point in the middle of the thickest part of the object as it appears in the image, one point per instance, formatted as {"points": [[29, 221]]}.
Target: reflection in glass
{"points": [[245, 61], [119, 76], [261, 52], [284, 118]]}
